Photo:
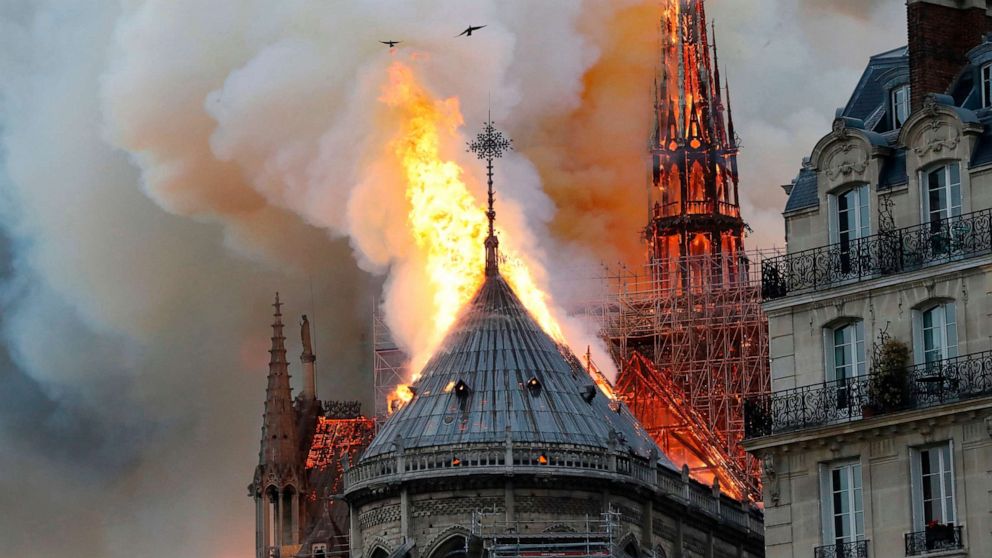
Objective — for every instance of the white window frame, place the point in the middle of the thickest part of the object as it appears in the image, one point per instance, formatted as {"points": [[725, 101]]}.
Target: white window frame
{"points": [[861, 213], [896, 103], [947, 498], [952, 186], [943, 327], [985, 81], [855, 496], [856, 343]]}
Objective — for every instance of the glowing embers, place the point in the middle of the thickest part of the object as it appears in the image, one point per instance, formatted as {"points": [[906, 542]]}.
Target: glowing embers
{"points": [[333, 440]]}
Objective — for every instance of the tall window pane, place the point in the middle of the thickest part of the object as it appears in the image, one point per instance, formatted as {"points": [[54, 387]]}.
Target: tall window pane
{"points": [[942, 198]]}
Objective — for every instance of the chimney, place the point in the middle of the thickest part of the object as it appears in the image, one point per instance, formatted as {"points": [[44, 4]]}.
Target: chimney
{"points": [[940, 33]]}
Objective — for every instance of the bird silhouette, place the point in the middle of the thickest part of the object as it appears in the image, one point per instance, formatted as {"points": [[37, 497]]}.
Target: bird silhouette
{"points": [[391, 44], [468, 32]]}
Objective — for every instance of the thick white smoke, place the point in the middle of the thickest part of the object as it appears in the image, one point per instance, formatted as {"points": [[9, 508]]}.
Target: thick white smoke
{"points": [[168, 164]]}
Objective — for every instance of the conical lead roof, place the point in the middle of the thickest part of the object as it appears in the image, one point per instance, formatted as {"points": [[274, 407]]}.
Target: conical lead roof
{"points": [[498, 371]]}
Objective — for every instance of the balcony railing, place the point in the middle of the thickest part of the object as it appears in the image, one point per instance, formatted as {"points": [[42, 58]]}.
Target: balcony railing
{"points": [[850, 399], [878, 255], [934, 539], [856, 549]]}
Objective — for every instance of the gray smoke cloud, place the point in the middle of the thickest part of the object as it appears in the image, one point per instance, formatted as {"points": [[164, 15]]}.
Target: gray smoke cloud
{"points": [[167, 166]]}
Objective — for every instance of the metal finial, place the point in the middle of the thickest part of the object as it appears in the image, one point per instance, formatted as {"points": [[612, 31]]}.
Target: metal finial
{"points": [[488, 145]]}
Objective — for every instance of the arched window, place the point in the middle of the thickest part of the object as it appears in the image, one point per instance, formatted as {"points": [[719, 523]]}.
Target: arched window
{"points": [[453, 547]]}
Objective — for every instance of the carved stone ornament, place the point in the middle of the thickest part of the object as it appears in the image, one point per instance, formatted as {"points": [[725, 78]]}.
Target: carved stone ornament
{"points": [[988, 426], [846, 160], [771, 478], [937, 141]]}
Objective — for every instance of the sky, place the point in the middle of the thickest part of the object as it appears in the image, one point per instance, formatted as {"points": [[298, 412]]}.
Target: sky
{"points": [[166, 166]]}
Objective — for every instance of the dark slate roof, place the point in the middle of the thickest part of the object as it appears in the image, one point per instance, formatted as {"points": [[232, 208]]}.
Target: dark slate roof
{"points": [[803, 194], [496, 348], [870, 97], [983, 150], [893, 171]]}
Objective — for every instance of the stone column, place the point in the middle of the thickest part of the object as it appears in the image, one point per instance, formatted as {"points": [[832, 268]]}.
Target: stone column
{"points": [[259, 525], [295, 524], [404, 514], [511, 515], [355, 538], [278, 518], [266, 522]]}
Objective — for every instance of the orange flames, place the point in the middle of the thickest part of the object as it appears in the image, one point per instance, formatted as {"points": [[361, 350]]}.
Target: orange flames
{"points": [[447, 222]]}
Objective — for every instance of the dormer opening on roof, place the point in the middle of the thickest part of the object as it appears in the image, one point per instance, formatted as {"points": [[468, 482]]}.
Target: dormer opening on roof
{"points": [[534, 386], [899, 107], [986, 85]]}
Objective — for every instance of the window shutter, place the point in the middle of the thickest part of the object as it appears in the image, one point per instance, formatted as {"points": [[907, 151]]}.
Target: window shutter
{"points": [[832, 224], [951, 329], [826, 506], [916, 488], [919, 352]]}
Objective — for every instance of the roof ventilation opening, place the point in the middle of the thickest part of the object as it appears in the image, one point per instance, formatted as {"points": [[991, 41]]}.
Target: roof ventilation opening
{"points": [[461, 392], [534, 386], [588, 393]]}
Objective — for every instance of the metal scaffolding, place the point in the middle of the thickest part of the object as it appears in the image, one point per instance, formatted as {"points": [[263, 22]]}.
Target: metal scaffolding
{"points": [[389, 363], [707, 340], [593, 537]]}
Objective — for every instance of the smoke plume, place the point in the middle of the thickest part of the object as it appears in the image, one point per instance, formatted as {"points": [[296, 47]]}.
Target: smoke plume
{"points": [[167, 165]]}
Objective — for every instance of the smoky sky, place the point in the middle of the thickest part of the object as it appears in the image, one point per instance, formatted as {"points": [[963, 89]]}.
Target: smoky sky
{"points": [[135, 316]]}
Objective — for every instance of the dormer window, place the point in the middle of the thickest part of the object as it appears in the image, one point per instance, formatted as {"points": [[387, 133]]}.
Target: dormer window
{"points": [[987, 85], [900, 105]]}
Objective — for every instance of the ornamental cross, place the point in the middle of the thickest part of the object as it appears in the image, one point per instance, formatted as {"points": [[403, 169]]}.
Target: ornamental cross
{"points": [[488, 145]]}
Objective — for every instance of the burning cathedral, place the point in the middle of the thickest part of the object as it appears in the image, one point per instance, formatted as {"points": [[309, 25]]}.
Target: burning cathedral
{"points": [[508, 445]]}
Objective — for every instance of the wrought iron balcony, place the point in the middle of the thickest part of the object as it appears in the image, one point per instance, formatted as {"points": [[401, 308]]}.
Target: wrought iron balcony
{"points": [[937, 538], [878, 255], [851, 399], [856, 549]]}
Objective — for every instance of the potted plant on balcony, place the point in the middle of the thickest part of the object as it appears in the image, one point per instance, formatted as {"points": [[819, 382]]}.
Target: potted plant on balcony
{"points": [[939, 535], [888, 388]]}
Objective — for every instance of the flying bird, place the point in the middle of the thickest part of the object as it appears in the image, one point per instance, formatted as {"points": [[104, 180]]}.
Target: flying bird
{"points": [[391, 43], [468, 32]]}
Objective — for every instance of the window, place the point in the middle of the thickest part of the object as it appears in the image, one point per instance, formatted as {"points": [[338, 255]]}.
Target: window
{"points": [[849, 221], [987, 85], [936, 333], [941, 193], [900, 105], [846, 357], [933, 485], [851, 218], [841, 507]]}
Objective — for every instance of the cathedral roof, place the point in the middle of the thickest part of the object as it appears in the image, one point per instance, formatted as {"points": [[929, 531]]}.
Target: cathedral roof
{"points": [[498, 374]]}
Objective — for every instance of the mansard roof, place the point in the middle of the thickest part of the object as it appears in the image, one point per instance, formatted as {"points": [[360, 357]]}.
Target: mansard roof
{"points": [[498, 374]]}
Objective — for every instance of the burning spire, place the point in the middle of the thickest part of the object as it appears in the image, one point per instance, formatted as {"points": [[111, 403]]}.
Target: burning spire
{"points": [[488, 145]]}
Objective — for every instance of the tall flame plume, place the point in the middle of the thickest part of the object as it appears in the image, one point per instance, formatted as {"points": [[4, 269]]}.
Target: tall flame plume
{"points": [[447, 222]]}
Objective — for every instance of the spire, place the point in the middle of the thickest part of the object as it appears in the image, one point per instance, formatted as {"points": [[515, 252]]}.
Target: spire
{"points": [[279, 445], [308, 359], [488, 145], [731, 134]]}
